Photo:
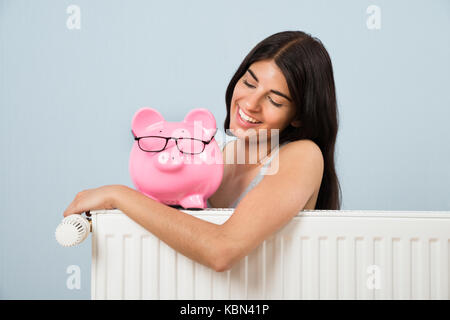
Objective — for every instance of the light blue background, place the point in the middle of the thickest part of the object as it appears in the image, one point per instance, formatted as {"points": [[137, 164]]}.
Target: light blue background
{"points": [[67, 98]]}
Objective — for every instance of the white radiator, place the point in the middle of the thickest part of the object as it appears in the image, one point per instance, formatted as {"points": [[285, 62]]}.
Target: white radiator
{"points": [[318, 255]]}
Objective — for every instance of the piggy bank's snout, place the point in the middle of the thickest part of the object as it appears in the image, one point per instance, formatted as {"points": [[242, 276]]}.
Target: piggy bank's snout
{"points": [[168, 160]]}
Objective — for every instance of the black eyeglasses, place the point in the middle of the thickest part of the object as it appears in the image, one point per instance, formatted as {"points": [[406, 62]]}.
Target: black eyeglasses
{"points": [[158, 143]]}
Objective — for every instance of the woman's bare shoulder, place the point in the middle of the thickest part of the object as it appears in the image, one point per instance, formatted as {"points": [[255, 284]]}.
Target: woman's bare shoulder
{"points": [[302, 142], [305, 146], [297, 154]]}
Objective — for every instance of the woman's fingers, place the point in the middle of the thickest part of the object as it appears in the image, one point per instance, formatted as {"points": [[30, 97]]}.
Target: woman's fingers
{"points": [[75, 207], [93, 199]]}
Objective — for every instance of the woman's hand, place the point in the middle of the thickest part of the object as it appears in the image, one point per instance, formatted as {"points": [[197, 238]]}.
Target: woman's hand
{"points": [[94, 199]]}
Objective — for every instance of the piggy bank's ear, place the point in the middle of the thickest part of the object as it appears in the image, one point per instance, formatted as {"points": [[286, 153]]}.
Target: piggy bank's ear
{"points": [[203, 118], [144, 118]]}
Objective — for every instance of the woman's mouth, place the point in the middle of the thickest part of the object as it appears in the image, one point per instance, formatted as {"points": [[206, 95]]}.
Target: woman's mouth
{"points": [[246, 120]]}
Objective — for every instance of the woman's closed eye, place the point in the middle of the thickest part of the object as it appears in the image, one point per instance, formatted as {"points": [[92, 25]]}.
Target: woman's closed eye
{"points": [[248, 84], [268, 97], [274, 103]]}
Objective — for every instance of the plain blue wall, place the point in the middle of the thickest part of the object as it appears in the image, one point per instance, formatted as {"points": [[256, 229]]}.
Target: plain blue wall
{"points": [[67, 98]]}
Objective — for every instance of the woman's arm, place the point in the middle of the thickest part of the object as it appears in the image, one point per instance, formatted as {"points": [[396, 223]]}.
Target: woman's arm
{"points": [[195, 238], [264, 210]]}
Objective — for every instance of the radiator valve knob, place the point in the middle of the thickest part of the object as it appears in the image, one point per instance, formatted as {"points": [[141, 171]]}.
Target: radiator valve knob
{"points": [[72, 230]]}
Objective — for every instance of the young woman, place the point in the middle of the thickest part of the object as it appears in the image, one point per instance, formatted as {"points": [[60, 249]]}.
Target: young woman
{"points": [[284, 85]]}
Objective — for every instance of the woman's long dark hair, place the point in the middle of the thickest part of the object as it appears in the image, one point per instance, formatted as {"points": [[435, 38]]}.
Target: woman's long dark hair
{"points": [[306, 65]]}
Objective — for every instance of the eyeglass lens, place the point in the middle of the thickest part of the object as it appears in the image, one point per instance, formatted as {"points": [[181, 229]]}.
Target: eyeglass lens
{"points": [[186, 145]]}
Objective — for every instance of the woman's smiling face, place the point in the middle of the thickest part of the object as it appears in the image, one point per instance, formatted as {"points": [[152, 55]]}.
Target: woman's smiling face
{"points": [[261, 94]]}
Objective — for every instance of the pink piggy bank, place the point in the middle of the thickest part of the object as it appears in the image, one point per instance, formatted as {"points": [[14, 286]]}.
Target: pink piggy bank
{"points": [[176, 163]]}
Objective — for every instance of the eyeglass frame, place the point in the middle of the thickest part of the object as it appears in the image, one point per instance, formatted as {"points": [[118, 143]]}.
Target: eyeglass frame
{"points": [[176, 142]]}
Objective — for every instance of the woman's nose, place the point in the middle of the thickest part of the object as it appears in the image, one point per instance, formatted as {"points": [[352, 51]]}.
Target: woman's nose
{"points": [[251, 103]]}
